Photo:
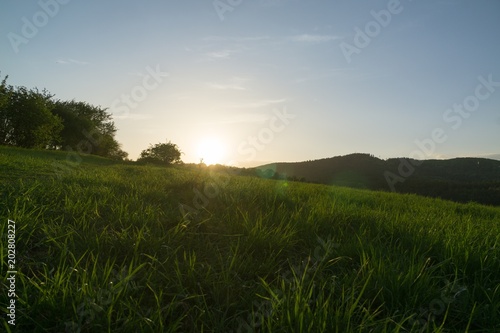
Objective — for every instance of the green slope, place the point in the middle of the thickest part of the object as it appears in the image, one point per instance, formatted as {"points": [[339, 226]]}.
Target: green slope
{"points": [[106, 247]]}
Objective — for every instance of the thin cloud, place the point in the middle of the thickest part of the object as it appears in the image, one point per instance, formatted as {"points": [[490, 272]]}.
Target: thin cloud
{"points": [[437, 156], [491, 156], [259, 104], [222, 54], [71, 62], [235, 39], [225, 86], [273, 3], [133, 116], [447, 2], [306, 38], [235, 83], [244, 118], [216, 48], [324, 75], [178, 97], [448, 156]]}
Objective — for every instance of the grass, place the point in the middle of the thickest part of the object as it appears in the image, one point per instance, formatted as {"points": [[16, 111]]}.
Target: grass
{"points": [[105, 247]]}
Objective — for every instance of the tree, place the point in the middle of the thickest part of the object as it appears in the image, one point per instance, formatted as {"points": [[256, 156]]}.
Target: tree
{"points": [[5, 92], [107, 146], [88, 128], [26, 119], [161, 153], [75, 124], [33, 119]]}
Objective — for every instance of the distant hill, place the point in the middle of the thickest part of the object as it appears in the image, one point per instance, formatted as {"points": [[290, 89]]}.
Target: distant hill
{"points": [[458, 179]]}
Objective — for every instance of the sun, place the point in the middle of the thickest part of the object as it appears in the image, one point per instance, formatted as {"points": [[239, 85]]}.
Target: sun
{"points": [[211, 150]]}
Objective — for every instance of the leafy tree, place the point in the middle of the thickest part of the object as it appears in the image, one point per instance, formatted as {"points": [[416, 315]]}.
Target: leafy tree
{"points": [[88, 128], [75, 125], [32, 119], [161, 153], [108, 147], [26, 119], [4, 100], [4, 92]]}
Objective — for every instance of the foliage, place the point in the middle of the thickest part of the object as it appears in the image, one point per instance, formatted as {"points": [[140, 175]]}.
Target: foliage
{"points": [[4, 92], [161, 153], [106, 248], [75, 120], [88, 128], [29, 118], [26, 119]]}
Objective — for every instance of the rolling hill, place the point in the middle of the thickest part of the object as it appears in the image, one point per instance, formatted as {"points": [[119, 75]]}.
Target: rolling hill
{"points": [[459, 179]]}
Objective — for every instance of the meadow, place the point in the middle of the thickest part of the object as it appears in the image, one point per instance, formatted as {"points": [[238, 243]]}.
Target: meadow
{"points": [[116, 247]]}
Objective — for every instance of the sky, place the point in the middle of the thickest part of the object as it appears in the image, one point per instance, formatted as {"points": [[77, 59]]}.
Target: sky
{"points": [[248, 82]]}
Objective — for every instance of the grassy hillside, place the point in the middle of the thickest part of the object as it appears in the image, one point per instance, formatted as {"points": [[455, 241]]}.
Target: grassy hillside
{"points": [[105, 247], [458, 179]]}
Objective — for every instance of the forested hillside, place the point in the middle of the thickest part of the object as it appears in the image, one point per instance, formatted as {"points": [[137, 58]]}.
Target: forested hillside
{"points": [[459, 179]]}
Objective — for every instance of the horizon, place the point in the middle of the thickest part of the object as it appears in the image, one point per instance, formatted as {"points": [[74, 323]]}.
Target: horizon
{"points": [[256, 164], [394, 78]]}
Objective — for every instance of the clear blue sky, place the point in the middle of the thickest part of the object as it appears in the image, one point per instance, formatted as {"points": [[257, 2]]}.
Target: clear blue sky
{"points": [[354, 78]]}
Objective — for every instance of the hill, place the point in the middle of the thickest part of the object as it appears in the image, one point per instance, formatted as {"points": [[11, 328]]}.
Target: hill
{"points": [[459, 179], [116, 247]]}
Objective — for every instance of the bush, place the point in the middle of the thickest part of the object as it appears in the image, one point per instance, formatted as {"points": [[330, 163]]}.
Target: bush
{"points": [[161, 153]]}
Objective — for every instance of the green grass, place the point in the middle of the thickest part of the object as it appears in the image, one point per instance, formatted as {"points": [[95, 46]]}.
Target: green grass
{"points": [[104, 247]]}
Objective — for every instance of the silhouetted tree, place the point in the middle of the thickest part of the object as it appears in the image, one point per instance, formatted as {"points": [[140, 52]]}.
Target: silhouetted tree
{"points": [[161, 153], [109, 147], [89, 128], [75, 123], [32, 119], [4, 100]]}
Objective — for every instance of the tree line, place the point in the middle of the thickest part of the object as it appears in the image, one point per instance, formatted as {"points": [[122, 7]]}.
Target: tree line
{"points": [[31, 118]]}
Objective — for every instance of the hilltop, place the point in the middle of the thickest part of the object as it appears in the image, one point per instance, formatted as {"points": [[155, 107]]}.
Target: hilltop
{"points": [[458, 179]]}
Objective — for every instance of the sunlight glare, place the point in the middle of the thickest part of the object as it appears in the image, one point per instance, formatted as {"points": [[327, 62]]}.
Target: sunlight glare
{"points": [[211, 150]]}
